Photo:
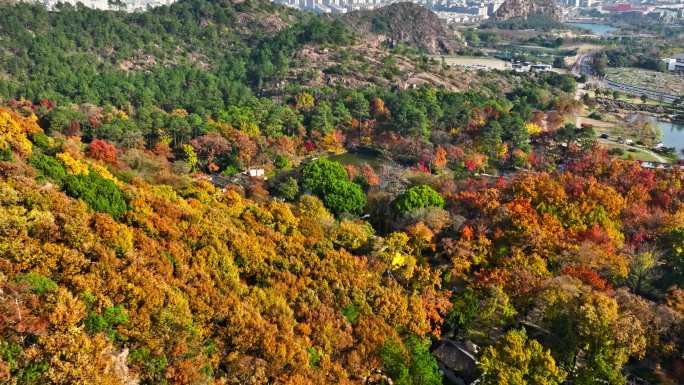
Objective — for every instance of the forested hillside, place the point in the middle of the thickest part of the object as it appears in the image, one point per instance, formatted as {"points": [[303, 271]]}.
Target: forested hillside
{"points": [[199, 55], [416, 235]]}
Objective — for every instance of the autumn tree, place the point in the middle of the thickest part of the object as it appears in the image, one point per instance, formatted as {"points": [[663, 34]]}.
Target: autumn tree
{"points": [[589, 333], [440, 158], [673, 245], [517, 359], [102, 150]]}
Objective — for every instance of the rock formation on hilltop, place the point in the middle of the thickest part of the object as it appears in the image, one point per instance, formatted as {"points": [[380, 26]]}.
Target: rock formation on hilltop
{"points": [[524, 8], [406, 23]]}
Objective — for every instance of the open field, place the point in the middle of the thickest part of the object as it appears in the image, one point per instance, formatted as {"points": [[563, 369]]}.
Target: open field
{"points": [[581, 47], [657, 81], [474, 61]]}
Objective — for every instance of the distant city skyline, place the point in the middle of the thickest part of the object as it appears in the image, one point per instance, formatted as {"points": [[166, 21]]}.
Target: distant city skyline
{"points": [[470, 9], [128, 5], [452, 11]]}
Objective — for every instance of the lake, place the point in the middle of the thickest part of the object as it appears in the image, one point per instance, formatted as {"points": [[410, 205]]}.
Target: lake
{"points": [[598, 29], [673, 136]]}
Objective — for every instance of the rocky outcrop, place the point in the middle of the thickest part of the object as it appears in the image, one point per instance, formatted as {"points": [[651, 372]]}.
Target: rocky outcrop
{"points": [[407, 23], [525, 8], [457, 360], [117, 366]]}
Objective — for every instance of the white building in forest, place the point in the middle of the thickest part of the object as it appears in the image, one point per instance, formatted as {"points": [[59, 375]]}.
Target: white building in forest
{"points": [[675, 63]]}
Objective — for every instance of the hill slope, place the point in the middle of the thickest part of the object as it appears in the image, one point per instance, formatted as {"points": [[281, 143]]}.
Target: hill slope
{"points": [[194, 49], [198, 55], [524, 8], [108, 282], [406, 23]]}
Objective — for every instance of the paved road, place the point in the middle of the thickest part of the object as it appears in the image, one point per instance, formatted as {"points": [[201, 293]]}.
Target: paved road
{"points": [[583, 65]]}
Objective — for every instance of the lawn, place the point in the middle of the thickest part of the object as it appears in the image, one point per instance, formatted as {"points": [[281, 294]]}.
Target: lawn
{"points": [[634, 155], [635, 127]]}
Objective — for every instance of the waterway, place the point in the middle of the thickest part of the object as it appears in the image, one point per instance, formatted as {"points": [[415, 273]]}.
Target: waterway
{"points": [[598, 29], [673, 136]]}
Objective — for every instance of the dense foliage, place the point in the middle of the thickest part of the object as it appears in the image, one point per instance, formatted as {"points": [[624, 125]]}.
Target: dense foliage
{"points": [[171, 223], [329, 180], [517, 360], [417, 197], [199, 55], [102, 257], [184, 276]]}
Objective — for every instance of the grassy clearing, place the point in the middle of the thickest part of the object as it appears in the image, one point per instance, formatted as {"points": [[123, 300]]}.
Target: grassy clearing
{"points": [[631, 153], [474, 60]]}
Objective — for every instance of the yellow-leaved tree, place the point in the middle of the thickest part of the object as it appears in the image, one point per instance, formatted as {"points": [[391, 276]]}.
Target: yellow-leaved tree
{"points": [[519, 360]]}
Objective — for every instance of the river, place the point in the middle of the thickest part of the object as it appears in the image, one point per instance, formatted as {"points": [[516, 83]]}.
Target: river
{"points": [[673, 136], [598, 29]]}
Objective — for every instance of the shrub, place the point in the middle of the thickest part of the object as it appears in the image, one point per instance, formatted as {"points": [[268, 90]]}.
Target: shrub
{"points": [[42, 141], [288, 189], [314, 357], [102, 150], [101, 194], [329, 181], [107, 322], [596, 115], [230, 170], [319, 175], [420, 367], [48, 166], [351, 313], [616, 151], [344, 197], [417, 197], [6, 154], [281, 162], [152, 366], [39, 284]]}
